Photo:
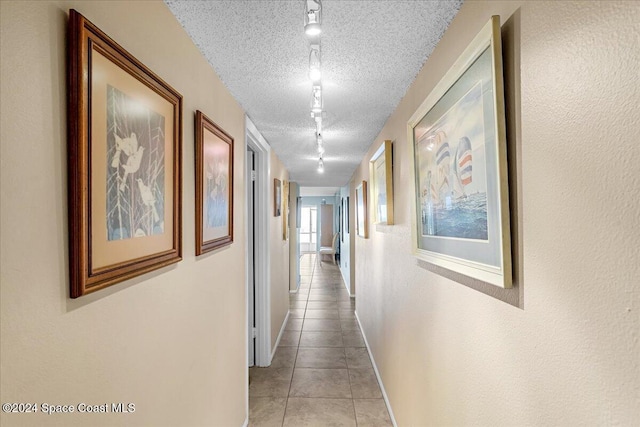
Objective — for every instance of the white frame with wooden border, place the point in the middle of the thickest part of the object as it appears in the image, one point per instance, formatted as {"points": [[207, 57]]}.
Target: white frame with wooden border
{"points": [[500, 274]]}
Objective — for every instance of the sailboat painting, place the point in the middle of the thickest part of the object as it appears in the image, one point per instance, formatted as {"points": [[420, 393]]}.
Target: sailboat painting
{"points": [[458, 145], [452, 171]]}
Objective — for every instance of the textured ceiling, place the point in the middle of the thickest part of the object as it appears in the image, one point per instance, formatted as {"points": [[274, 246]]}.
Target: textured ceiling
{"points": [[371, 52]]}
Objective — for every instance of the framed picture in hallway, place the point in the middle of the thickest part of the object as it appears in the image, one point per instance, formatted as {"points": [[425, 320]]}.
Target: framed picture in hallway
{"points": [[345, 215], [361, 210], [458, 146], [381, 173], [124, 163], [214, 185], [277, 197]]}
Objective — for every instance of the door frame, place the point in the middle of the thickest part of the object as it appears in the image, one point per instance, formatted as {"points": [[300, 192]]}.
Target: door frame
{"points": [[262, 157], [251, 253]]}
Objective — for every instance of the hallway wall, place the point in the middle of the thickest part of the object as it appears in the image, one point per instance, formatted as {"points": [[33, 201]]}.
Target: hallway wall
{"points": [[172, 341], [562, 347], [279, 255]]}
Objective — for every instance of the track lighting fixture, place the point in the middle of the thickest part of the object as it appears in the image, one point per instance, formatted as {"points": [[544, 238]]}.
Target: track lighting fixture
{"points": [[320, 145], [316, 99], [313, 18], [312, 21], [314, 63]]}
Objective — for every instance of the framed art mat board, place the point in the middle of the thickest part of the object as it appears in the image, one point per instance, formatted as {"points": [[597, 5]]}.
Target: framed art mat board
{"points": [[458, 145], [214, 186], [124, 151]]}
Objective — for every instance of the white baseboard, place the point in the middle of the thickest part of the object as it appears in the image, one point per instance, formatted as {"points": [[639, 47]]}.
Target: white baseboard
{"points": [[295, 291], [246, 422], [375, 368], [344, 281], [275, 347]]}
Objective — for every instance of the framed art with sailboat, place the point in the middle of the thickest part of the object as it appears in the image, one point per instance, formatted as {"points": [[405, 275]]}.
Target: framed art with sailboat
{"points": [[458, 143]]}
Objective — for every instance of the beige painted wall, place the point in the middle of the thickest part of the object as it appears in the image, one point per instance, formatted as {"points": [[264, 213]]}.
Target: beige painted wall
{"points": [[279, 256], [564, 348], [171, 341]]}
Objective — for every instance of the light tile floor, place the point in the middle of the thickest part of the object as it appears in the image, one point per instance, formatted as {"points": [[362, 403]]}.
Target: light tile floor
{"points": [[321, 374]]}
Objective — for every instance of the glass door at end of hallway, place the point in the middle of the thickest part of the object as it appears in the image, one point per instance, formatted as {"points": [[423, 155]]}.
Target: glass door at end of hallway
{"points": [[308, 229]]}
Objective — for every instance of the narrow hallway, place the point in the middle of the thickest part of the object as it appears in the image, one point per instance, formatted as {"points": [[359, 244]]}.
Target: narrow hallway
{"points": [[321, 374]]}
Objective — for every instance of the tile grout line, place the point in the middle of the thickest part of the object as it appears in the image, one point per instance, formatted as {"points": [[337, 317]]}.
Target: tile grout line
{"points": [[295, 360], [312, 286]]}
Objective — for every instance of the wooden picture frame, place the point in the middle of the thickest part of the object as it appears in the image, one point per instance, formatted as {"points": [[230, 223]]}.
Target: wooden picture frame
{"points": [[381, 175], [277, 197], [345, 215], [214, 185], [124, 163], [362, 227], [458, 147]]}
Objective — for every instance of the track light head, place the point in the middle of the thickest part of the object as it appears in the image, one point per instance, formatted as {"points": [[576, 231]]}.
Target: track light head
{"points": [[312, 19], [314, 64]]}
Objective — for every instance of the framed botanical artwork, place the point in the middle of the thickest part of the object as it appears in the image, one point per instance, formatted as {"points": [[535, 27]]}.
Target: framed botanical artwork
{"points": [[214, 185], [124, 163], [285, 210], [458, 145], [277, 197], [361, 210], [381, 173]]}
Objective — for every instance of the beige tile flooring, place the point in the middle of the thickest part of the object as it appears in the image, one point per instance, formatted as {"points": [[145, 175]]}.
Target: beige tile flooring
{"points": [[321, 374]]}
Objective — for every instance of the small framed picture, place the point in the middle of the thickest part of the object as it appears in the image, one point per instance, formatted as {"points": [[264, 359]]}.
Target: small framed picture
{"points": [[277, 197], [361, 210], [214, 185]]}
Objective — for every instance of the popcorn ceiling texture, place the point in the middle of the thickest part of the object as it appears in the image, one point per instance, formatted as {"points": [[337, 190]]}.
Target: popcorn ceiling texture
{"points": [[371, 52]]}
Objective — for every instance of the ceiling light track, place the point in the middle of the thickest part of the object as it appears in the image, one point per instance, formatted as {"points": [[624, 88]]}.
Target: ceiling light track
{"points": [[312, 29]]}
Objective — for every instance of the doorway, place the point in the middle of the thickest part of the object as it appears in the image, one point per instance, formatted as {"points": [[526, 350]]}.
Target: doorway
{"points": [[308, 229], [257, 248], [251, 258]]}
